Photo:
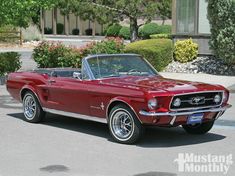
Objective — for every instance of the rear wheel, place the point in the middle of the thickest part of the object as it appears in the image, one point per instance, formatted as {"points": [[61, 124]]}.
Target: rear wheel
{"points": [[198, 128], [123, 125], [32, 109]]}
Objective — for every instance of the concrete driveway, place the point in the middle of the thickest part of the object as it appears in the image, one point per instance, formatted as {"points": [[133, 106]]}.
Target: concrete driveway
{"points": [[62, 146]]}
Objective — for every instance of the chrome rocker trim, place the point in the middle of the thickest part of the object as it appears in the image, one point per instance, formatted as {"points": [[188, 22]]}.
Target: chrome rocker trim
{"points": [[75, 115], [177, 113]]}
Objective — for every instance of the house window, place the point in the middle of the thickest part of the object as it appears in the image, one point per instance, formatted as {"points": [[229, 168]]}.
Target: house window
{"points": [[203, 23], [185, 12]]}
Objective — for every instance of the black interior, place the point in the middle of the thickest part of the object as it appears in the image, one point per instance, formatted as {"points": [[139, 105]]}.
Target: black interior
{"points": [[58, 72]]}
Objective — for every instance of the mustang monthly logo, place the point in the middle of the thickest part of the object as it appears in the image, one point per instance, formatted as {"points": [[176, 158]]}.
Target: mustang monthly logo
{"points": [[190, 162]]}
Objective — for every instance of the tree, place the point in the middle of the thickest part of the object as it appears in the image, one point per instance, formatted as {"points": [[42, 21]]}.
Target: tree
{"points": [[164, 9], [114, 10], [20, 12]]}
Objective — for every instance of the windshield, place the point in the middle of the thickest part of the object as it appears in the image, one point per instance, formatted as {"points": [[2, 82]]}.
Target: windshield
{"points": [[118, 65]]}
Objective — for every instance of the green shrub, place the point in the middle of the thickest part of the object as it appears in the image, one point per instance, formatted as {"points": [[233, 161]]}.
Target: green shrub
{"points": [[157, 51], [9, 62], [75, 31], [125, 32], [148, 29], [221, 15], [48, 30], [164, 29], [160, 36], [113, 30], [185, 50], [59, 28], [88, 31]]}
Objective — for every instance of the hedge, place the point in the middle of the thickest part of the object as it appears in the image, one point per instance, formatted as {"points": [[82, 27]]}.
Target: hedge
{"points": [[160, 36], [159, 52]]}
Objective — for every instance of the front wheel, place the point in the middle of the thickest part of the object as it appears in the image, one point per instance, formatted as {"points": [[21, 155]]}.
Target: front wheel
{"points": [[123, 125], [32, 109], [198, 128]]}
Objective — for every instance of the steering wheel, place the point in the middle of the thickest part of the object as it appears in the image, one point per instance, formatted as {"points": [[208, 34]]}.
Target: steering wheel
{"points": [[132, 71]]}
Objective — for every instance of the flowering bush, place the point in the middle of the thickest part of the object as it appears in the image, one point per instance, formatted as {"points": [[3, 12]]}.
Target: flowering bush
{"points": [[55, 55], [110, 45], [49, 55]]}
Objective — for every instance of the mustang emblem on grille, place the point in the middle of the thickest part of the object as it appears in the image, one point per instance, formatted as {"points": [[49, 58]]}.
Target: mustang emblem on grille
{"points": [[197, 100]]}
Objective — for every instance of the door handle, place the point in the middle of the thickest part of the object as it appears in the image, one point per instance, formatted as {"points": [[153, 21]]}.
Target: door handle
{"points": [[51, 81]]}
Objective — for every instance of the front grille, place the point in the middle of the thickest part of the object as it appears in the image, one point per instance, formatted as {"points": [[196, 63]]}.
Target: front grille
{"points": [[197, 100]]}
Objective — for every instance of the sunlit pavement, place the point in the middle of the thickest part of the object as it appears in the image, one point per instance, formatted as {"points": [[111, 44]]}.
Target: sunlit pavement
{"points": [[72, 147]]}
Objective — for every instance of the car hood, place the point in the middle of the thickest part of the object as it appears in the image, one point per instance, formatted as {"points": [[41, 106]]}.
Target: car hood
{"points": [[160, 84]]}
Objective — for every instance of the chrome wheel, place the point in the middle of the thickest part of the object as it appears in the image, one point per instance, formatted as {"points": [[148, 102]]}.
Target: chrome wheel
{"points": [[122, 124], [29, 107]]}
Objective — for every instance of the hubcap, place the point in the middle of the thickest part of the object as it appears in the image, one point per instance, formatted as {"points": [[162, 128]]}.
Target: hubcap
{"points": [[29, 107], [122, 124]]}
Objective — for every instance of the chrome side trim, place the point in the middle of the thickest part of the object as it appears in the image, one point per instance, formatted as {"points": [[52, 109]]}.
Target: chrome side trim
{"points": [[152, 114], [75, 115], [195, 108]]}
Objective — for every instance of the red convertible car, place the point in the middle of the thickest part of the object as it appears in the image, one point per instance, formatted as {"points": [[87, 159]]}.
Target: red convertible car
{"points": [[122, 90]]}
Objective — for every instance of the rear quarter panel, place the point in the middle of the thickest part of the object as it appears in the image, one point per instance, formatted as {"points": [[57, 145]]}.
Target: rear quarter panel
{"points": [[19, 81]]}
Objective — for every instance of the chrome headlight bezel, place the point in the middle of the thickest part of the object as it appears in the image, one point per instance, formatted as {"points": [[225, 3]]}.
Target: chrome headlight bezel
{"points": [[177, 102], [217, 99], [152, 103]]}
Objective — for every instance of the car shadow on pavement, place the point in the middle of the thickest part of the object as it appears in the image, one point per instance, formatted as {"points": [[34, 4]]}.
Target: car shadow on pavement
{"points": [[172, 137], [153, 137]]}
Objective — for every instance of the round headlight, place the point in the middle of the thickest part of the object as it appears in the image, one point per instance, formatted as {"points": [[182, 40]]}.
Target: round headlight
{"points": [[217, 98], [152, 103], [177, 102]]}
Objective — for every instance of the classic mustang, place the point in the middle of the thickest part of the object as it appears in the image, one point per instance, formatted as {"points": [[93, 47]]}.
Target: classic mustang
{"points": [[122, 90]]}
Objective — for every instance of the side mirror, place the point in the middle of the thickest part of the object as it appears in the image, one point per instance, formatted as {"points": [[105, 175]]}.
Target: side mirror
{"points": [[77, 75]]}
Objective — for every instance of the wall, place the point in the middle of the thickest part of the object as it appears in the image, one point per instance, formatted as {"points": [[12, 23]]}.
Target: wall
{"points": [[74, 22]]}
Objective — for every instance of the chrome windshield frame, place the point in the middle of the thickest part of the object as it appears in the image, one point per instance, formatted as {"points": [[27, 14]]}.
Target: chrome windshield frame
{"points": [[90, 73]]}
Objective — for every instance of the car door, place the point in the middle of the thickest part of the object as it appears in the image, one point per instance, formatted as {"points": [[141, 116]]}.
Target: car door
{"points": [[68, 94]]}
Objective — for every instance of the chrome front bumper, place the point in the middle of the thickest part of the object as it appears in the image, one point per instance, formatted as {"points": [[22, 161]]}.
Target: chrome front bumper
{"points": [[174, 114], [179, 113]]}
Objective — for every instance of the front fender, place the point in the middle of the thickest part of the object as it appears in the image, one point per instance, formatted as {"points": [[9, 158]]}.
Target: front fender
{"points": [[130, 102]]}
